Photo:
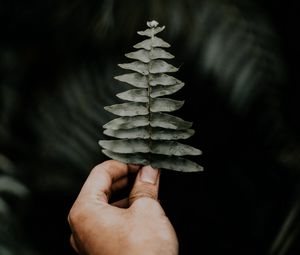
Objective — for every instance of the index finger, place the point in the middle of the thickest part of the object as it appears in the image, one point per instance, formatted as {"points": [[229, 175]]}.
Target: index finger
{"points": [[99, 182]]}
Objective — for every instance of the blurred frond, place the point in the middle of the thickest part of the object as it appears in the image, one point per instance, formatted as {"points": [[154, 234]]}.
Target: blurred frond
{"points": [[288, 236], [68, 123], [11, 240], [238, 48]]}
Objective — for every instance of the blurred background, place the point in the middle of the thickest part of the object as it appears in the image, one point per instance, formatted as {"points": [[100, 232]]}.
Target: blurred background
{"points": [[239, 60]]}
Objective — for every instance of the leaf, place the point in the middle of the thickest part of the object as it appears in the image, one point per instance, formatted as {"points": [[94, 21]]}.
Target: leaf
{"points": [[141, 95], [148, 44], [172, 148], [127, 122], [152, 24], [141, 145], [128, 109], [164, 120], [165, 105], [134, 79], [146, 56], [144, 133], [175, 163], [164, 91], [163, 79], [141, 55], [137, 158], [11, 186], [156, 53], [139, 132], [156, 133], [161, 66], [134, 95], [126, 146], [150, 32], [137, 66], [170, 134], [157, 161]]}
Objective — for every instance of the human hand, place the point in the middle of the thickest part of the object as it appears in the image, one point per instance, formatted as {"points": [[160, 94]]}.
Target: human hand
{"points": [[135, 225]]}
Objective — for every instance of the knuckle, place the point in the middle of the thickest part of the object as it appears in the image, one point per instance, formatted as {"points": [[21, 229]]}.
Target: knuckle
{"points": [[75, 216], [108, 164], [72, 217], [141, 193]]}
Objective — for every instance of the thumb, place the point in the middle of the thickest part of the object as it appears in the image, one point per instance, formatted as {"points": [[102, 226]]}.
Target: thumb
{"points": [[146, 184]]}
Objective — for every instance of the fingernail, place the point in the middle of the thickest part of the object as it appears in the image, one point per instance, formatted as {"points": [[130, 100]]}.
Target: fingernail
{"points": [[148, 174]]}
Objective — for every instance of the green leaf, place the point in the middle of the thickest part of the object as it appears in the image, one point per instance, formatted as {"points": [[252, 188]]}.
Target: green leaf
{"points": [[157, 161], [137, 66], [148, 44], [126, 146], [151, 32], [165, 105], [163, 79], [172, 148], [157, 147], [170, 134], [165, 90], [144, 134], [156, 133], [134, 95], [137, 158], [128, 109], [127, 122], [134, 79], [158, 53], [175, 163], [139, 132], [161, 66], [164, 120], [146, 56], [141, 55]]}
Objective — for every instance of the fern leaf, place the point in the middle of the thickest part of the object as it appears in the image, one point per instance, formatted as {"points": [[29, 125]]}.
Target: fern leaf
{"points": [[165, 105], [148, 44], [175, 163], [173, 148], [160, 66], [137, 66], [126, 145], [170, 134], [156, 133], [149, 32], [137, 158], [128, 109], [142, 145], [134, 79], [164, 120], [164, 91], [145, 133], [141, 55], [127, 122], [146, 56], [139, 132], [158, 53], [134, 95], [163, 79]]}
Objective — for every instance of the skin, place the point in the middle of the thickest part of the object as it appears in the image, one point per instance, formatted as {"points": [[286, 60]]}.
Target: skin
{"points": [[134, 225]]}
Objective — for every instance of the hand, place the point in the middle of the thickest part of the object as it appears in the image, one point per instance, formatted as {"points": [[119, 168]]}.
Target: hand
{"points": [[136, 225]]}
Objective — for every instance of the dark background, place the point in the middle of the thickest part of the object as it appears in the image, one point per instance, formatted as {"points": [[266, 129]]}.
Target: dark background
{"points": [[239, 60]]}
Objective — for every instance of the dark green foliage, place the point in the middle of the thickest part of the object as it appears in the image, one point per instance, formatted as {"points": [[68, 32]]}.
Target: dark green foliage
{"points": [[144, 128]]}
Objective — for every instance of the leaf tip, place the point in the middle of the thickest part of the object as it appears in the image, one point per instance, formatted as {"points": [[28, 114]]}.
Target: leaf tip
{"points": [[152, 23]]}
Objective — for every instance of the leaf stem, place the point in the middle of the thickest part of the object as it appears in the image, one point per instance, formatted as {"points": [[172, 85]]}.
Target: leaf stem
{"points": [[149, 97]]}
